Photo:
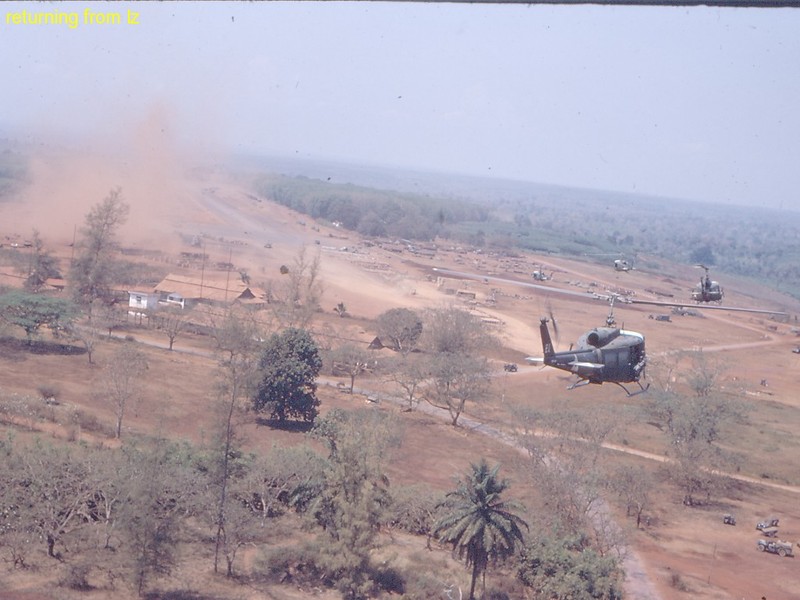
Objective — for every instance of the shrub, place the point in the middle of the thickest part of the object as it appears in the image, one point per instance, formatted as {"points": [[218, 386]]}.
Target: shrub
{"points": [[49, 393]]}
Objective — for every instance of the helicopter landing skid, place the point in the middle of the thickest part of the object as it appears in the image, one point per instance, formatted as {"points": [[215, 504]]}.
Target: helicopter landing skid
{"points": [[642, 388], [579, 383]]}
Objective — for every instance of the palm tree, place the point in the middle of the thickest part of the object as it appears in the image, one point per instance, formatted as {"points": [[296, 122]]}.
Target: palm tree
{"points": [[481, 526]]}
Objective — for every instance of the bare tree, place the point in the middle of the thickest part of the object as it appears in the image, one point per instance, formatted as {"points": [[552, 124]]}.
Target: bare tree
{"points": [[564, 449], [693, 426], [408, 373], [237, 338], [634, 486], [399, 329], [283, 478], [122, 380], [350, 360], [296, 296], [54, 488], [260, 490], [171, 321], [704, 375], [456, 379], [87, 334], [341, 310], [451, 330]]}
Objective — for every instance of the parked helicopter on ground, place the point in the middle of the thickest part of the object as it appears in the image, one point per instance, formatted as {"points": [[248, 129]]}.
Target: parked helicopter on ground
{"points": [[540, 275], [707, 290]]}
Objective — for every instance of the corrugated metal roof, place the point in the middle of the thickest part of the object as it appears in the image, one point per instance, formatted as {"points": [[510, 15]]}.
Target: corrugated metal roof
{"points": [[210, 288]]}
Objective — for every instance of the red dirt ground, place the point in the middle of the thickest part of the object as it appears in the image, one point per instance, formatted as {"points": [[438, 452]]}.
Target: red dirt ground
{"points": [[687, 544]]}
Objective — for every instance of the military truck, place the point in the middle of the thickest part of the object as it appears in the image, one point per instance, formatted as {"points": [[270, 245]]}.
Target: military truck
{"points": [[775, 547], [766, 523]]}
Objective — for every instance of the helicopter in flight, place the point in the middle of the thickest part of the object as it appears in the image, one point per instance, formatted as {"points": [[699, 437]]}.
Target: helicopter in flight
{"points": [[707, 290], [622, 265], [602, 355]]}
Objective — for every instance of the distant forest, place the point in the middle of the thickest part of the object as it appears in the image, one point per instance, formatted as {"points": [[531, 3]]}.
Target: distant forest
{"points": [[373, 212], [761, 244]]}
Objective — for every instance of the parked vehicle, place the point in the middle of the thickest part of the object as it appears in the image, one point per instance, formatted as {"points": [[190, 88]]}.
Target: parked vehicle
{"points": [[770, 532], [768, 522], [775, 547]]}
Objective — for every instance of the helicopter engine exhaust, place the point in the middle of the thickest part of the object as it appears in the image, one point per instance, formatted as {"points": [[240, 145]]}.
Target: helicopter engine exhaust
{"points": [[601, 337]]}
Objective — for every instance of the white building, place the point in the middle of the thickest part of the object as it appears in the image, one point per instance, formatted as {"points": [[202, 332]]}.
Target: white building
{"points": [[142, 301]]}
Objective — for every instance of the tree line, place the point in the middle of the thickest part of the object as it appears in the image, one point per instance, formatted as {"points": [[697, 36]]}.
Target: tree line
{"points": [[117, 518], [370, 212], [752, 242]]}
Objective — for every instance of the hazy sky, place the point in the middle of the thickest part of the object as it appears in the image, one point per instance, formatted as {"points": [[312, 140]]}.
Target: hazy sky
{"points": [[686, 102]]}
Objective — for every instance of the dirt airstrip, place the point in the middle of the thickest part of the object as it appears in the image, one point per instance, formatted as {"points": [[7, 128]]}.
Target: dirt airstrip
{"points": [[689, 545]]}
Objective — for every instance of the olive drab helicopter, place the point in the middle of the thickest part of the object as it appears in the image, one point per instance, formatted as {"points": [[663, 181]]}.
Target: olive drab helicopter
{"points": [[707, 290], [607, 354], [602, 355], [622, 265]]}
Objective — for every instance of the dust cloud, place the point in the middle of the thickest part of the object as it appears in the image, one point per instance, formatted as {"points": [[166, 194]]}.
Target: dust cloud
{"points": [[142, 158]]}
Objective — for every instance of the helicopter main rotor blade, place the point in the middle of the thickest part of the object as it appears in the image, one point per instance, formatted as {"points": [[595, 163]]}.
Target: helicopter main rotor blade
{"points": [[707, 307], [545, 288]]}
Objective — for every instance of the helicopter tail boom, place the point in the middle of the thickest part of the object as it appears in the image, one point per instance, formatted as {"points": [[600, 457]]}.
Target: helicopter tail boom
{"points": [[547, 342]]}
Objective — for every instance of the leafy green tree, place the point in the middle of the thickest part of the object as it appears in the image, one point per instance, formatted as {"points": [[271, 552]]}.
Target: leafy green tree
{"points": [[355, 494], [414, 509], [289, 366], [482, 526], [400, 329], [159, 486], [31, 312], [92, 272], [565, 568]]}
